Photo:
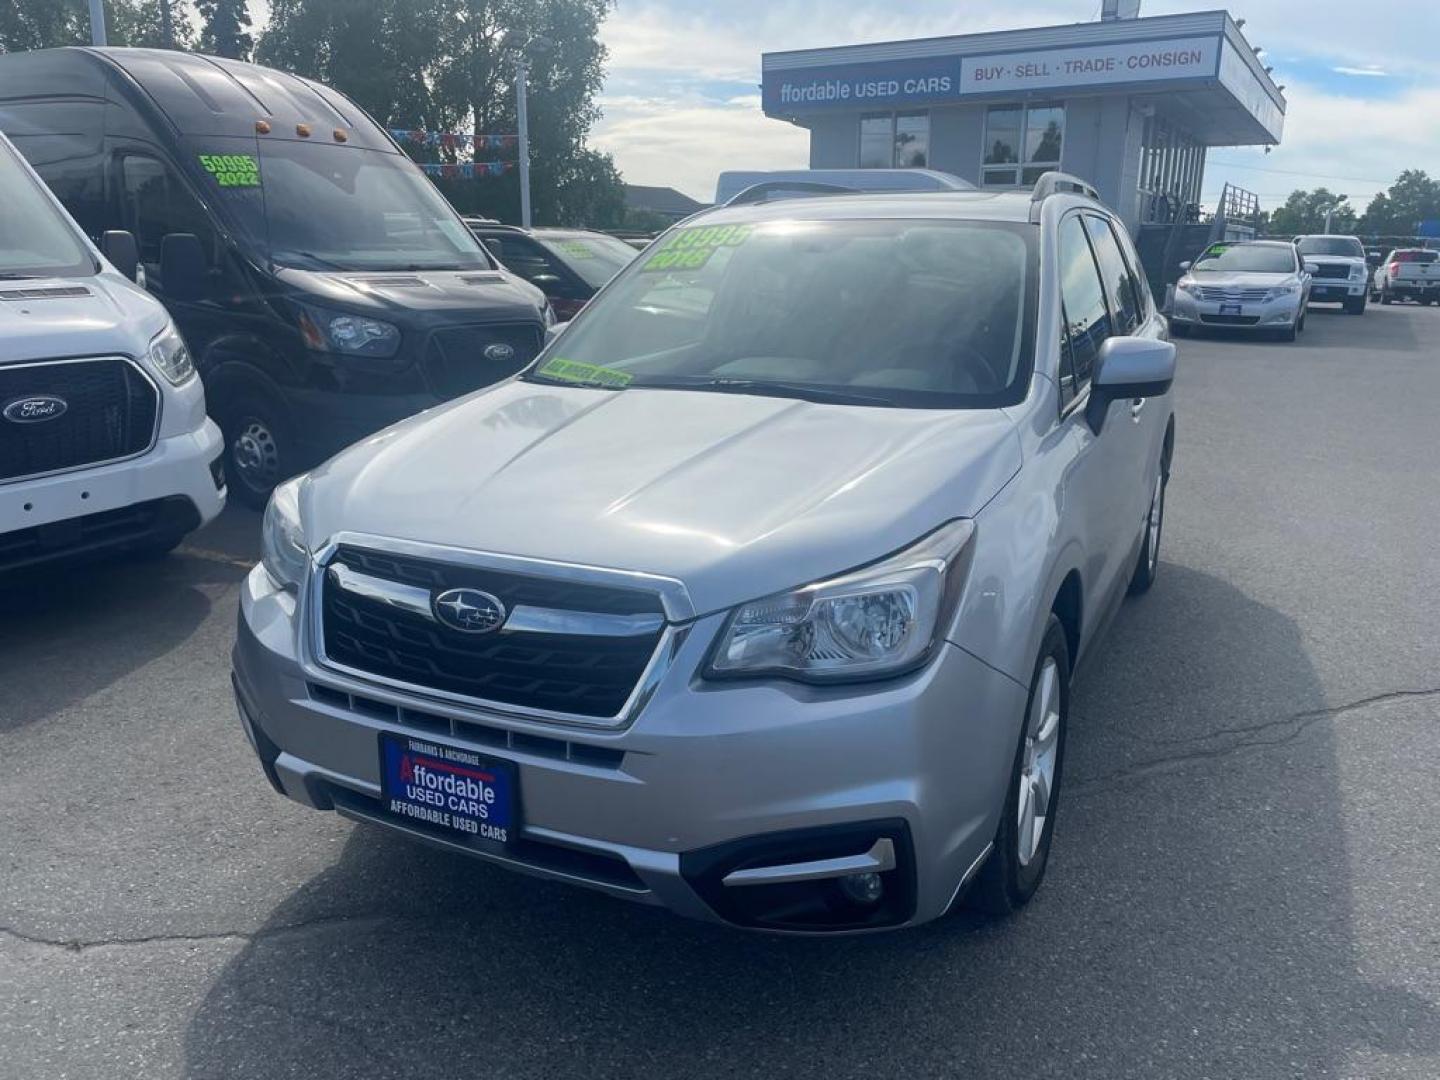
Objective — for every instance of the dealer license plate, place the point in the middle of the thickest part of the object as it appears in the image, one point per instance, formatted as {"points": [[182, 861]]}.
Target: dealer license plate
{"points": [[448, 787]]}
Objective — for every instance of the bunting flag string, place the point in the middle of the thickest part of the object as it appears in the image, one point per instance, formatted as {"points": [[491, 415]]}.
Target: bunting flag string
{"points": [[453, 140], [467, 170]]}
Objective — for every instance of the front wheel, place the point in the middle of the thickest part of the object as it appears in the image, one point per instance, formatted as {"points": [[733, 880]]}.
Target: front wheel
{"points": [[1148, 564], [259, 447], [1016, 865], [1355, 307], [1386, 298]]}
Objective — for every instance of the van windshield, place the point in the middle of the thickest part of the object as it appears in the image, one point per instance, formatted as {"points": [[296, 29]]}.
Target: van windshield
{"points": [[36, 239], [910, 313], [342, 208]]}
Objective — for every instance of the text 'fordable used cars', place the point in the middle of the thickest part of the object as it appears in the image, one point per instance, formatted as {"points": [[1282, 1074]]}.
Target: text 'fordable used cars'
{"points": [[757, 596]]}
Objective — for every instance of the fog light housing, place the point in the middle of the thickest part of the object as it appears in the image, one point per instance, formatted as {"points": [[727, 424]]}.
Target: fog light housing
{"points": [[866, 890]]}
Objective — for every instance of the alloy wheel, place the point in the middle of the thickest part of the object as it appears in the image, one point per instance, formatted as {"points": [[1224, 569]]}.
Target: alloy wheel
{"points": [[256, 455], [1152, 524], [1037, 770]]}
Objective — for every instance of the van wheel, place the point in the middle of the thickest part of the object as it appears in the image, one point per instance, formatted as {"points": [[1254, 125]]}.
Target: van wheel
{"points": [[1017, 863], [258, 448]]}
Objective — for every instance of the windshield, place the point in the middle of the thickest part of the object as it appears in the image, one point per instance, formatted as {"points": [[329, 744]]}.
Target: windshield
{"points": [[36, 239], [910, 313], [594, 256], [1331, 245], [1246, 258], [316, 207]]}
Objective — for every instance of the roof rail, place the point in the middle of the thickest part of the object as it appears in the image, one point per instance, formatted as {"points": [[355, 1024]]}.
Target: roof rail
{"points": [[802, 189], [1056, 183]]}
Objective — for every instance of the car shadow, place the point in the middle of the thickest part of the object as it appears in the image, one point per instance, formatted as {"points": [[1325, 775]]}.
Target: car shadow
{"points": [[1197, 920], [67, 632]]}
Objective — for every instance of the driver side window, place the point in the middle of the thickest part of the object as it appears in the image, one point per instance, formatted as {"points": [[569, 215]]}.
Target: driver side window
{"points": [[154, 202], [1087, 318]]}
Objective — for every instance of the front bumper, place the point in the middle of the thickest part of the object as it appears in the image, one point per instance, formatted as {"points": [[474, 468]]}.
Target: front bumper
{"points": [[174, 488], [1274, 314], [706, 779], [1337, 291]]}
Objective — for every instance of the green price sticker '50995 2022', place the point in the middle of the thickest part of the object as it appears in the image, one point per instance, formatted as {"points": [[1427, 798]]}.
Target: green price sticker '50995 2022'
{"points": [[232, 170]]}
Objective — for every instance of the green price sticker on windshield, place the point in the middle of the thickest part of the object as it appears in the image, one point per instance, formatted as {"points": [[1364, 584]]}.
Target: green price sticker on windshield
{"points": [[690, 249], [576, 249], [577, 371], [232, 170]]}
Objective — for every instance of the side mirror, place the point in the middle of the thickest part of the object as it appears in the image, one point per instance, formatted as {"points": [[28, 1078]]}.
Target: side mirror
{"points": [[1127, 368], [552, 332], [183, 273], [1185, 266], [121, 251], [1312, 268]]}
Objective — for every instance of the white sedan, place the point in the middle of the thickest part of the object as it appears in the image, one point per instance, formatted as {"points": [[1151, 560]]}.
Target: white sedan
{"points": [[1255, 285]]}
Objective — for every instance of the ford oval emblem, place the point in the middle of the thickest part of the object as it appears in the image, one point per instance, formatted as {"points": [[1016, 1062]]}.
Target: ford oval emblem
{"points": [[35, 409], [499, 352], [469, 610]]}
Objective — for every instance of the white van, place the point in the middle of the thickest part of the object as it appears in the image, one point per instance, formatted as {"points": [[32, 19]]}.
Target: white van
{"points": [[104, 443]]}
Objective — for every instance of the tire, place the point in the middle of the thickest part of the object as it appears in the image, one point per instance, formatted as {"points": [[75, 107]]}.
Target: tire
{"points": [[1147, 565], [1386, 298], [1179, 330], [1289, 333], [1355, 307], [259, 446], [1009, 878]]}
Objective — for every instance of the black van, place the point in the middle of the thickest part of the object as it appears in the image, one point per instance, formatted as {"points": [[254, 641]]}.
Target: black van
{"points": [[323, 284]]}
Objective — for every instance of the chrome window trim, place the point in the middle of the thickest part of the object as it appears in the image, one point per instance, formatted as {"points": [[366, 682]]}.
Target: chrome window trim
{"points": [[674, 600], [154, 431]]}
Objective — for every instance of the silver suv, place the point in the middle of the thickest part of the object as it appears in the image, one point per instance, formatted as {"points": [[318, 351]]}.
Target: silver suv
{"points": [[757, 596]]}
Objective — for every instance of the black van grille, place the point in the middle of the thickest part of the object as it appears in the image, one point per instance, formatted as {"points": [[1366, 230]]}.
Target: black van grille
{"points": [[455, 362], [110, 411], [581, 675]]}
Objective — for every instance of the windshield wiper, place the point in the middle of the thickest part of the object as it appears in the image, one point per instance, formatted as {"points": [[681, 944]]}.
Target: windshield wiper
{"points": [[767, 388], [328, 263], [584, 384]]}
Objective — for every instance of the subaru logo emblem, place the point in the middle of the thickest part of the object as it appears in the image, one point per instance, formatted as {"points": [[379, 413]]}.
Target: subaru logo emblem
{"points": [[35, 409], [499, 352], [469, 610]]}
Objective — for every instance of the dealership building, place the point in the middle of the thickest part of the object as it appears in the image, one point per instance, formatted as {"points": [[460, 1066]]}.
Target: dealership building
{"points": [[1131, 104]]}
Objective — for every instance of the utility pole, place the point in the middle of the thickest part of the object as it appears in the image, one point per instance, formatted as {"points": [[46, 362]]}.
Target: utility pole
{"points": [[97, 22], [522, 74], [167, 33], [1330, 214]]}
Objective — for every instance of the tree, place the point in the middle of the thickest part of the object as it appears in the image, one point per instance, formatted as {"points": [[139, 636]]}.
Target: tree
{"points": [[1413, 198], [226, 28], [47, 24], [1304, 212], [449, 65]]}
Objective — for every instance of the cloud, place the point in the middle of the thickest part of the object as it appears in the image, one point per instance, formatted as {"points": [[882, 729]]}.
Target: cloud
{"points": [[1368, 72]]}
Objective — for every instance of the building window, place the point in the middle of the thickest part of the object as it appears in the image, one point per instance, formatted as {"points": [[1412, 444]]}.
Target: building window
{"points": [[895, 140], [1022, 143]]}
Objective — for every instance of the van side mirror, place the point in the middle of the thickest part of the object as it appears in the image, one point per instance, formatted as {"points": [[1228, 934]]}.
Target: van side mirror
{"points": [[121, 251], [1128, 368], [183, 273]]}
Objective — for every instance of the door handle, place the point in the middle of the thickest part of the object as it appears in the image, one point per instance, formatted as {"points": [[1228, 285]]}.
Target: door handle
{"points": [[1135, 408]]}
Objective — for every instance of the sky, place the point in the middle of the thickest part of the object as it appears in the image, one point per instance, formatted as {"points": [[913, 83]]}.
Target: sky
{"points": [[681, 100]]}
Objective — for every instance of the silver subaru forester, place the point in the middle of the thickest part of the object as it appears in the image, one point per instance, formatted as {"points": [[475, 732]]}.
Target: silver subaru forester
{"points": [[757, 595]]}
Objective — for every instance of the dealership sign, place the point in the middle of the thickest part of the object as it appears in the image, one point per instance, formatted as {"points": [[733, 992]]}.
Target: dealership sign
{"points": [[1095, 65], [937, 80]]}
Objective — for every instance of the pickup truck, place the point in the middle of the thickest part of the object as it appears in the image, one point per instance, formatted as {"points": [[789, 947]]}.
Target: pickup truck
{"points": [[1409, 274], [1337, 270]]}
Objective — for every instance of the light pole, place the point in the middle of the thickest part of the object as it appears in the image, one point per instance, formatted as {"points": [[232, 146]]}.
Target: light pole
{"points": [[1330, 214], [539, 47], [97, 22]]}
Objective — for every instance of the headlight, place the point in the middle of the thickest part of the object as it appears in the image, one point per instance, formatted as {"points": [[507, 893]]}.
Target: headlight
{"points": [[169, 354], [870, 623], [341, 332], [282, 543], [1188, 287], [1356, 273], [1282, 290]]}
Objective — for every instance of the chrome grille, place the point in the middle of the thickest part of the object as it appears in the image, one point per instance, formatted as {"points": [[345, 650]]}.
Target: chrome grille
{"points": [[541, 666], [1217, 295]]}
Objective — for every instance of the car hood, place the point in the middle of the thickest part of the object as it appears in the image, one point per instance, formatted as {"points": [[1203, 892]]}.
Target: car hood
{"points": [[736, 496], [1236, 279], [404, 295], [113, 316]]}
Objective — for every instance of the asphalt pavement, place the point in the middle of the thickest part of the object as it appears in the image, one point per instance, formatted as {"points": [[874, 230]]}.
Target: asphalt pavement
{"points": [[1246, 878]]}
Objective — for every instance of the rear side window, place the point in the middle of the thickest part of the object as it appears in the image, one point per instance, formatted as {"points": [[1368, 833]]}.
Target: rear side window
{"points": [[1087, 318], [1119, 283]]}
